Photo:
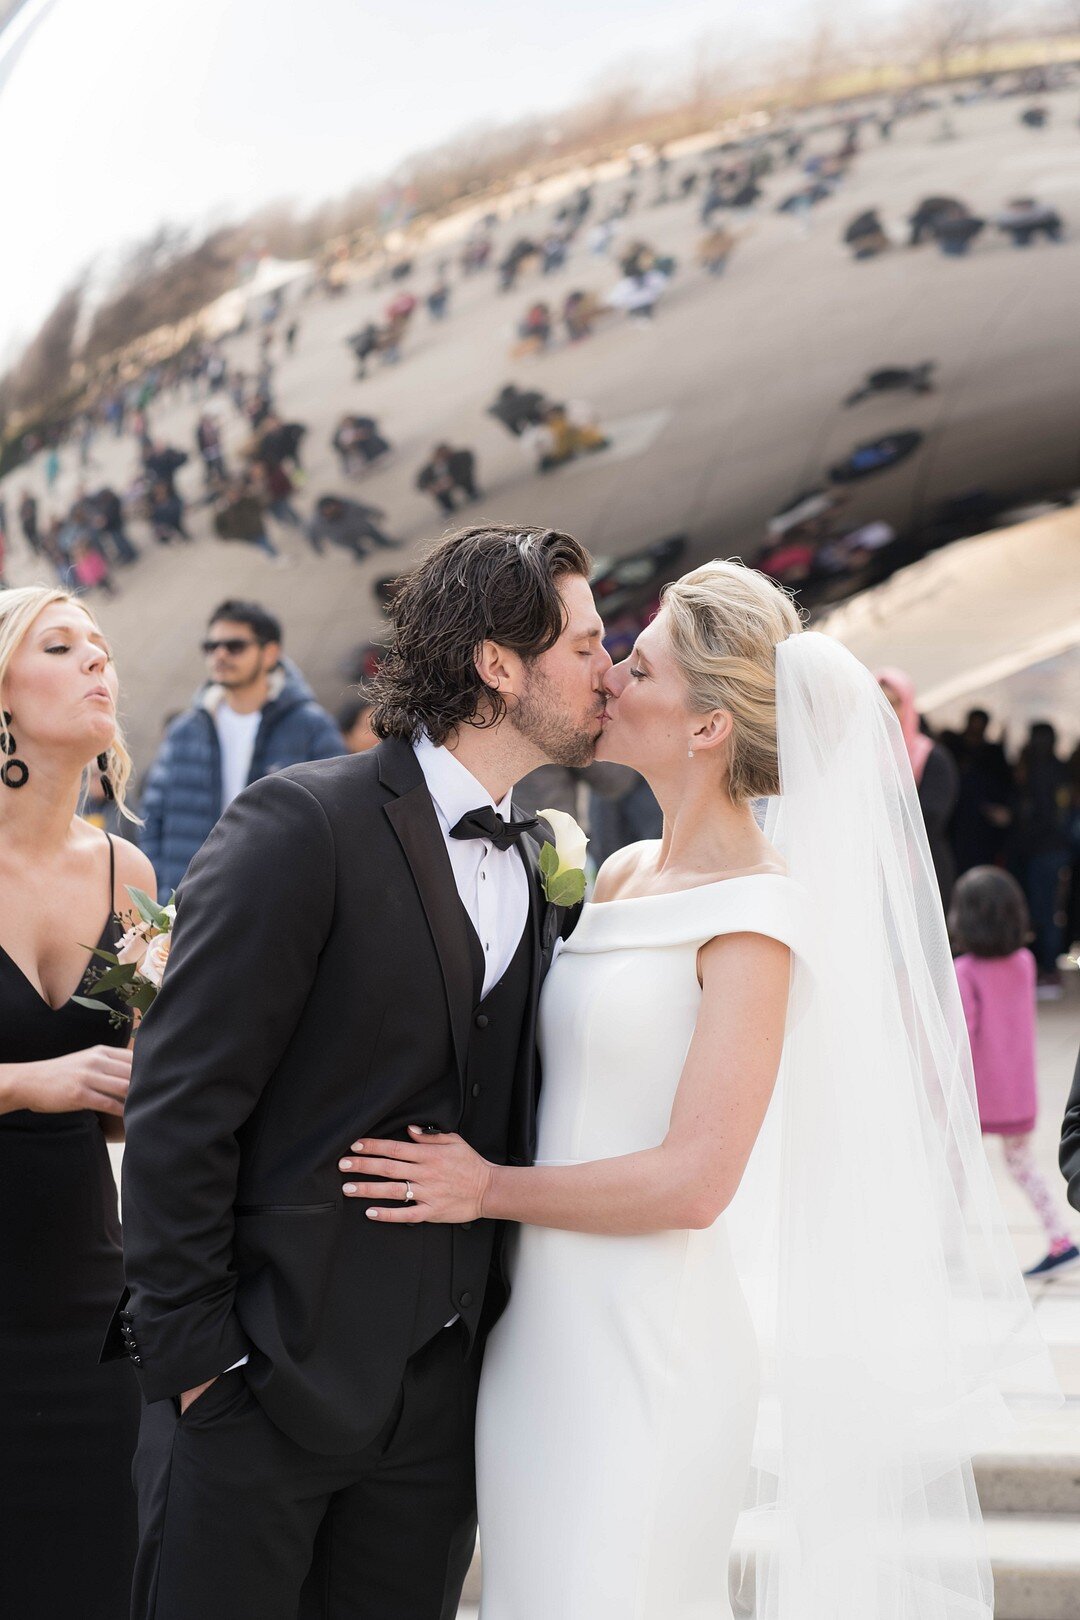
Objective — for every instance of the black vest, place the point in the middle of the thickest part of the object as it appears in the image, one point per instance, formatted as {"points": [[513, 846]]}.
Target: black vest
{"points": [[457, 1260]]}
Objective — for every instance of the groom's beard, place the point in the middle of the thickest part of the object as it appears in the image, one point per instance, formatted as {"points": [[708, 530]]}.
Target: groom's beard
{"points": [[549, 728]]}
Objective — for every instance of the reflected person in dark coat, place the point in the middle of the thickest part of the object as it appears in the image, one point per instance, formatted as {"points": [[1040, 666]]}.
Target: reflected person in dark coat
{"points": [[936, 776]]}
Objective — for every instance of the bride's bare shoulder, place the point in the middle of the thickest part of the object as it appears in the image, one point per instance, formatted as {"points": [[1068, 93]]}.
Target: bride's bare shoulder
{"points": [[618, 869]]}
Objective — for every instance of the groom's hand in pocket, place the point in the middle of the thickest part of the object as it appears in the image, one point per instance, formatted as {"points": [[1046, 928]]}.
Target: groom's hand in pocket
{"points": [[190, 1396], [436, 1176]]}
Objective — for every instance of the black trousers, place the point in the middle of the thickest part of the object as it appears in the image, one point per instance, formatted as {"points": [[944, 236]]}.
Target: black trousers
{"points": [[238, 1522]]}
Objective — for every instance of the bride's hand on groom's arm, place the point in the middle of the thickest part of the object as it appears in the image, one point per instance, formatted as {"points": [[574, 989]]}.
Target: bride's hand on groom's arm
{"points": [[433, 1178]]}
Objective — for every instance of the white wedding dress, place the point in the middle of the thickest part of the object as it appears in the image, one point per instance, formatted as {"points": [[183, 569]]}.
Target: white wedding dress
{"points": [[620, 1389]]}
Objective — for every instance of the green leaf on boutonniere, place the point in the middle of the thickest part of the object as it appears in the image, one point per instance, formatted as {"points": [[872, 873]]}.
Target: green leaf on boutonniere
{"points": [[567, 889], [563, 885], [149, 910]]}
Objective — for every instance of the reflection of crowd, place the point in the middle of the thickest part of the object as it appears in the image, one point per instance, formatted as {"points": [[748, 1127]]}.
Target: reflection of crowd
{"points": [[954, 226], [254, 489]]}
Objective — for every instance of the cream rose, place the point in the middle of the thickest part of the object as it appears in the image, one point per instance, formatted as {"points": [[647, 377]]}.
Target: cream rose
{"points": [[133, 946], [156, 960], [570, 841]]}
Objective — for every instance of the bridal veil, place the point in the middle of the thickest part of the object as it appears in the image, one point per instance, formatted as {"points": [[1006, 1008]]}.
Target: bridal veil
{"points": [[897, 1335]]}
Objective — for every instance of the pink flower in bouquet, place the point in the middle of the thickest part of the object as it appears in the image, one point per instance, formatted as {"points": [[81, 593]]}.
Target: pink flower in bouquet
{"points": [[133, 947], [156, 959]]}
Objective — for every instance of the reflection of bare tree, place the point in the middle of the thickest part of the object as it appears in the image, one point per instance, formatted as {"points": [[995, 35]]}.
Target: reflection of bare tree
{"points": [[940, 29], [710, 78], [44, 369]]}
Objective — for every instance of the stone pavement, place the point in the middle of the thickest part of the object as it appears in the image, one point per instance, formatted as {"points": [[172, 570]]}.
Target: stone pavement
{"points": [[1030, 1491], [719, 412]]}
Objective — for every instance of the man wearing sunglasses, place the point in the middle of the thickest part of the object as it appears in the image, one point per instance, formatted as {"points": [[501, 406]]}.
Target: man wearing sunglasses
{"points": [[254, 714]]}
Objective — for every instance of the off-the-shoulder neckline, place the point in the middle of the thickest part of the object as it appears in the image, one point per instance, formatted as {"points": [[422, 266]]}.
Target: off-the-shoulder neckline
{"points": [[694, 888]]}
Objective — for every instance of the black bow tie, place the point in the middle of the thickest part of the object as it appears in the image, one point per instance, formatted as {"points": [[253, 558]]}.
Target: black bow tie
{"points": [[487, 823]]}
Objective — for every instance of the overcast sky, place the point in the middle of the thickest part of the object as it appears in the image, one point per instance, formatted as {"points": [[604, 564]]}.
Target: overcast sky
{"points": [[118, 114]]}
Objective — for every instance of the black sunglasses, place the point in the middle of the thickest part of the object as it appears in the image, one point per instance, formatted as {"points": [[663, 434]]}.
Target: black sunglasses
{"points": [[233, 645]]}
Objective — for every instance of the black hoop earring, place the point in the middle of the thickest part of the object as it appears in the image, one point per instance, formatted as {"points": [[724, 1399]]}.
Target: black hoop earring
{"points": [[14, 773], [106, 785]]}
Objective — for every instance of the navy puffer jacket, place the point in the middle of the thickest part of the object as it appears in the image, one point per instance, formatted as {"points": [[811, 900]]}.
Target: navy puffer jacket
{"points": [[182, 798]]}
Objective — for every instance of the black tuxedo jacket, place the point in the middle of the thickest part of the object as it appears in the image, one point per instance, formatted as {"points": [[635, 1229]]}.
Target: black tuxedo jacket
{"points": [[320, 989]]}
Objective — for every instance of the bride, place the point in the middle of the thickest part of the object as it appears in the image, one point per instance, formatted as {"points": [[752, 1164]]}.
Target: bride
{"points": [[760, 1269]]}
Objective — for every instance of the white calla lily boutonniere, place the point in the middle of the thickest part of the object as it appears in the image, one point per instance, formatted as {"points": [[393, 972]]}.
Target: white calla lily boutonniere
{"points": [[562, 864]]}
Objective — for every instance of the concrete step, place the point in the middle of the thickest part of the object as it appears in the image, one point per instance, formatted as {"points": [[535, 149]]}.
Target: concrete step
{"points": [[1036, 1562], [1039, 1473], [1035, 1559]]}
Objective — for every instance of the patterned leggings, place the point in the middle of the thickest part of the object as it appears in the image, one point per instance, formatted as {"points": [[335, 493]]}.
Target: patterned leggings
{"points": [[1020, 1163]]}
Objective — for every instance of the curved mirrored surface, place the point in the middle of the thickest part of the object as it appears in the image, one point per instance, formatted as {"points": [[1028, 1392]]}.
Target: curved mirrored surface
{"points": [[805, 298]]}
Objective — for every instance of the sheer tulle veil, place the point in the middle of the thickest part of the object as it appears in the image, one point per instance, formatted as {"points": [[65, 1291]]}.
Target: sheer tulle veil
{"points": [[897, 1335]]}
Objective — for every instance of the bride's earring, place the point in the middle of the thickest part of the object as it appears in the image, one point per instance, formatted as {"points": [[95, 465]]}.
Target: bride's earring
{"points": [[14, 773], [106, 785], [690, 753]]}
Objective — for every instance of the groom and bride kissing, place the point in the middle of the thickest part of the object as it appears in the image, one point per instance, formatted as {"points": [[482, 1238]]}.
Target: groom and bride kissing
{"points": [[428, 1175]]}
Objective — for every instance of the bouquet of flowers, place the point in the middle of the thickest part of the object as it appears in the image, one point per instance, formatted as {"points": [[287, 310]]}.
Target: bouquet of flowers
{"points": [[137, 966]]}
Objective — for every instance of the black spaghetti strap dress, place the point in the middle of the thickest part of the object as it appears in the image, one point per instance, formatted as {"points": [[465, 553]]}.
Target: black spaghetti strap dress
{"points": [[68, 1426]]}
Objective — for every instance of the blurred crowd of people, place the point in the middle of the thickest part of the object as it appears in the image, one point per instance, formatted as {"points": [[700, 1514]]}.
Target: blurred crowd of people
{"points": [[954, 226], [1018, 811]]}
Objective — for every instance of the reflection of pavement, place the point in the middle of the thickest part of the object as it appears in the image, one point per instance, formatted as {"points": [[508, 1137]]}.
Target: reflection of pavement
{"points": [[740, 380]]}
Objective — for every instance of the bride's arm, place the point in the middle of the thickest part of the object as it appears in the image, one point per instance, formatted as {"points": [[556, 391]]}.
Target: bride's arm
{"points": [[686, 1181]]}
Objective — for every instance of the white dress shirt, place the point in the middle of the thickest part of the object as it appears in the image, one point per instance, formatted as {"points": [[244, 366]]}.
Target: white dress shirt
{"points": [[493, 883]]}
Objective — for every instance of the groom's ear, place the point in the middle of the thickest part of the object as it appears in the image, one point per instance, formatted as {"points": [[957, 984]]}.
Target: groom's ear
{"points": [[495, 666]]}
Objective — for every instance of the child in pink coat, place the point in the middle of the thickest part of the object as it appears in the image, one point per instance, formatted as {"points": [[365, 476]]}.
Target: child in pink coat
{"points": [[989, 923]]}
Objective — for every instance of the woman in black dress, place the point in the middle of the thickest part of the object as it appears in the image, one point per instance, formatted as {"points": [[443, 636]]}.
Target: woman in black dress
{"points": [[68, 1426]]}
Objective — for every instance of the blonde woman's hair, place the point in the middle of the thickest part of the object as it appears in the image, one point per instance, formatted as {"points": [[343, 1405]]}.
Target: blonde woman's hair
{"points": [[18, 610], [725, 622]]}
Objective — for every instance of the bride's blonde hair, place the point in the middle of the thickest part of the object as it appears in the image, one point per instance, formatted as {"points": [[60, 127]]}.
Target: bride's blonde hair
{"points": [[18, 610], [725, 622]]}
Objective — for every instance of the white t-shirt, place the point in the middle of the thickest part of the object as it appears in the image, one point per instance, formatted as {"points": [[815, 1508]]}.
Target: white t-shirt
{"points": [[236, 733]]}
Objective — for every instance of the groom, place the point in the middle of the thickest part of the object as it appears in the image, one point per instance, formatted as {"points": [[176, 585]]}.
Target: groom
{"points": [[360, 947]]}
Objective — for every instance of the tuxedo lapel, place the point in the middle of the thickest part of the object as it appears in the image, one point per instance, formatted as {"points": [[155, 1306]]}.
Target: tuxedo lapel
{"points": [[537, 904], [412, 816]]}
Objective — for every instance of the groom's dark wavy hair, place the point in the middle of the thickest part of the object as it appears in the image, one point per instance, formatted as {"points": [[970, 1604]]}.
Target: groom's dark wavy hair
{"points": [[496, 583]]}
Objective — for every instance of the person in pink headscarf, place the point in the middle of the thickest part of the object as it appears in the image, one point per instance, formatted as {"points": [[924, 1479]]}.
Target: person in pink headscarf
{"points": [[935, 774]]}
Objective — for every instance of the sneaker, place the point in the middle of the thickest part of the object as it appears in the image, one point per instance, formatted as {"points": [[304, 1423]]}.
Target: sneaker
{"points": [[1051, 1264]]}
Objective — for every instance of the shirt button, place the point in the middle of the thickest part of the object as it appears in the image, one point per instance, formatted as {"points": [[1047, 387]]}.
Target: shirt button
{"points": [[476, 1091], [483, 877], [482, 1020], [466, 1226], [487, 947], [465, 1300]]}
